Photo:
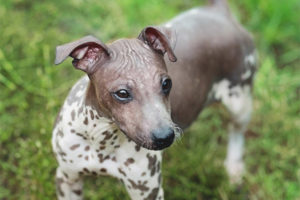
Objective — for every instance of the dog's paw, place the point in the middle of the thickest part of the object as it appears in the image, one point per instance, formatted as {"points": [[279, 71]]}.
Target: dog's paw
{"points": [[235, 170]]}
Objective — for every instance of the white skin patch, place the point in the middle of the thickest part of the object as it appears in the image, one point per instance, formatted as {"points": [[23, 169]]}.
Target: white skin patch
{"points": [[250, 61], [88, 144], [238, 101]]}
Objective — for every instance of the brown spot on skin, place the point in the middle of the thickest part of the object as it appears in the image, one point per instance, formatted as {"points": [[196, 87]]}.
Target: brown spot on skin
{"points": [[59, 182], [114, 159], [112, 143], [80, 173], [71, 161], [75, 146], [115, 137], [92, 114], [65, 174], [60, 133], [73, 131], [103, 170], [86, 158], [97, 117], [158, 166], [95, 125], [137, 148], [87, 148], [129, 161], [58, 119], [77, 192], [80, 155], [117, 146], [102, 158], [94, 173], [153, 194], [143, 174], [152, 163], [86, 170], [64, 160], [86, 121], [73, 113], [70, 123], [122, 172], [107, 134], [80, 110], [159, 178], [102, 142], [116, 130], [102, 147], [139, 186], [81, 135]]}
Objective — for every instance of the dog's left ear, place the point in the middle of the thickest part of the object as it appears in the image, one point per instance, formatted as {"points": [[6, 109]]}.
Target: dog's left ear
{"points": [[160, 39], [86, 53]]}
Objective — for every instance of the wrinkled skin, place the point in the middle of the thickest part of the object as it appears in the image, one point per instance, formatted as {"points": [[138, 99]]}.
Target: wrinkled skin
{"points": [[149, 109]]}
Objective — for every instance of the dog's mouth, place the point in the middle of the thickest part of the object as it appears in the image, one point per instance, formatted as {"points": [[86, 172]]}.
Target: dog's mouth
{"points": [[154, 143]]}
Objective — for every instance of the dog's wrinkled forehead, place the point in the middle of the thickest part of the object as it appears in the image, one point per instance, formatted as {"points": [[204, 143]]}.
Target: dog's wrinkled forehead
{"points": [[133, 53]]}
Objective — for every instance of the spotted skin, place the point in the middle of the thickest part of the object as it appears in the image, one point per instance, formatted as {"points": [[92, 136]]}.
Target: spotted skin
{"points": [[86, 144]]}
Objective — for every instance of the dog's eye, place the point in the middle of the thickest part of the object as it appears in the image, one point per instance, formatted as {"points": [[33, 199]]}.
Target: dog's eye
{"points": [[166, 86], [122, 95]]}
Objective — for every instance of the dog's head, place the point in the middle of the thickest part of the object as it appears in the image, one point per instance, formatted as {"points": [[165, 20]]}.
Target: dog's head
{"points": [[131, 82]]}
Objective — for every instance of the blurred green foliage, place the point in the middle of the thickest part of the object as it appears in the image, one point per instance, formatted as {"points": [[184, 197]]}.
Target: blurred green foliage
{"points": [[32, 90]]}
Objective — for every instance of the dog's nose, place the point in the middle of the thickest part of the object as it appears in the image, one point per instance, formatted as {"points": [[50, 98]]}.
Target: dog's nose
{"points": [[163, 138]]}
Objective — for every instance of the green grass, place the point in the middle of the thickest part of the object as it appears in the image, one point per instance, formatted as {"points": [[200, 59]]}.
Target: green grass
{"points": [[32, 90]]}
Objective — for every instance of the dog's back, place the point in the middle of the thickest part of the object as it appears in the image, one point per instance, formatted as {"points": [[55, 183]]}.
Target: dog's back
{"points": [[210, 46]]}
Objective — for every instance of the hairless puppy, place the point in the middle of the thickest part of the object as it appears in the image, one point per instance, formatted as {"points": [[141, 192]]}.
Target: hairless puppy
{"points": [[118, 117]]}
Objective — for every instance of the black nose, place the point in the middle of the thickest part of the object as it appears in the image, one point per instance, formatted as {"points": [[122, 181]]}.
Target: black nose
{"points": [[162, 138]]}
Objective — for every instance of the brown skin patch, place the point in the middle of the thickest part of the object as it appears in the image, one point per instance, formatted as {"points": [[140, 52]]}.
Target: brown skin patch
{"points": [[122, 172], [139, 185], [137, 148], [75, 146], [153, 194], [152, 164], [59, 182], [92, 114], [103, 170], [77, 192], [87, 148], [86, 121], [73, 113], [129, 161]]}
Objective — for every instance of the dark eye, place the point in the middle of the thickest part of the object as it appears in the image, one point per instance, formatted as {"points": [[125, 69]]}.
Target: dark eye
{"points": [[122, 95], [166, 86]]}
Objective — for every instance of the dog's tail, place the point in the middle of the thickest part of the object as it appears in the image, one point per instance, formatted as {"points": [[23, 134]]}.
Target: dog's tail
{"points": [[221, 5]]}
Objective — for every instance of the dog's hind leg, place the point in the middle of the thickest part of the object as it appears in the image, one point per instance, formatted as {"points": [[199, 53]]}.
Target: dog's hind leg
{"points": [[238, 100], [68, 188]]}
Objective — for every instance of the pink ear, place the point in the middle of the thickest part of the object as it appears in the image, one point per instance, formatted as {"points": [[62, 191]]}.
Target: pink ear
{"points": [[86, 52], [158, 41]]}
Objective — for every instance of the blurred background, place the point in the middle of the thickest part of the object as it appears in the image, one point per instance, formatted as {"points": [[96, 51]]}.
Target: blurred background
{"points": [[32, 90]]}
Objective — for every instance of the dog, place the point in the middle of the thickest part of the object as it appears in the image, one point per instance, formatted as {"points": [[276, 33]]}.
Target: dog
{"points": [[119, 117]]}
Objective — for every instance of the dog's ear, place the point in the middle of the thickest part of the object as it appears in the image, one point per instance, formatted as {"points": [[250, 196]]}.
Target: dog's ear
{"points": [[86, 52], [160, 39]]}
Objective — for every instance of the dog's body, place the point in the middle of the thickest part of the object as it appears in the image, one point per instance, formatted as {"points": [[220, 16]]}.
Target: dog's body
{"points": [[216, 62]]}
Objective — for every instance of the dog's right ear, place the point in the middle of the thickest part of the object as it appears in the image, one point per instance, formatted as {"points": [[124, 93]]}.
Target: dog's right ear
{"points": [[86, 52]]}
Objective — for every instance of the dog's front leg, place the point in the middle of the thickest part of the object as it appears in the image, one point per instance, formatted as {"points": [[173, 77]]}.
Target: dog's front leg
{"points": [[143, 179], [68, 188]]}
